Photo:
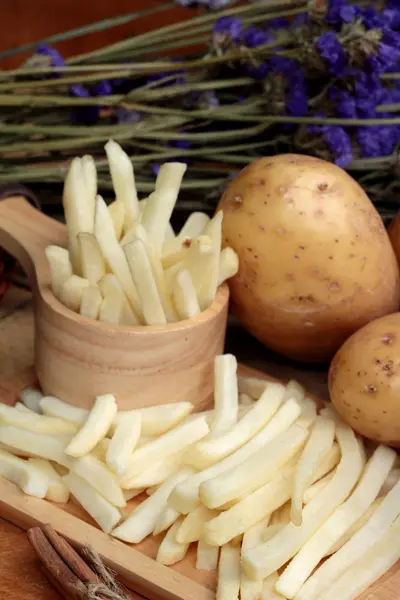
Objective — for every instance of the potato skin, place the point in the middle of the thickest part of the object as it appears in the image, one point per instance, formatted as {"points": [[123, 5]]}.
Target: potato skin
{"points": [[364, 380], [394, 235], [316, 263]]}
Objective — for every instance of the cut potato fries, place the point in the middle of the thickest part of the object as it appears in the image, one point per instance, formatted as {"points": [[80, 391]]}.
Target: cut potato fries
{"points": [[111, 288], [123, 179], [371, 567], [252, 473], [56, 491], [143, 277], [317, 447], [95, 428], [100, 509], [105, 239], [226, 399], [97, 474], [265, 559], [212, 450], [142, 521], [93, 266], [185, 496], [60, 267], [31, 480], [113, 253], [166, 445], [123, 443], [375, 473], [34, 422], [116, 211], [32, 397], [283, 502], [353, 550], [170, 550], [72, 290], [228, 585], [91, 302]]}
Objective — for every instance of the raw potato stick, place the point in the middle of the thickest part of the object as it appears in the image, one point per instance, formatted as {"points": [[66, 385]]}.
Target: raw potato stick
{"points": [[31, 397], [54, 407], [90, 175], [100, 509], [21, 407], [142, 520], [166, 445], [123, 179], [194, 225], [111, 309], [314, 489], [209, 286], [95, 428], [57, 491], [268, 591], [207, 557], [109, 284], [251, 509], [355, 527], [269, 557], [139, 233], [301, 567], [91, 302], [117, 212], [72, 292], [123, 443], [369, 535], [34, 422], [24, 474], [142, 275], [229, 573], [184, 296], [254, 472], [185, 496], [196, 260], [77, 210], [170, 550], [376, 562], [210, 451], [226, 400], [113, 253], [252, 386], [250, 589], [157, 473], [160, 204], [99, 476], [165, 520], [317, 447], [93, 265], [228, 265], [51, 447], [191, 526], [60, 267]]}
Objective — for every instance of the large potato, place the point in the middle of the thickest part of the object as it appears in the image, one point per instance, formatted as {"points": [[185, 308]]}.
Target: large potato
{"points": [[316, 263], [364, 380], [394, 235]]}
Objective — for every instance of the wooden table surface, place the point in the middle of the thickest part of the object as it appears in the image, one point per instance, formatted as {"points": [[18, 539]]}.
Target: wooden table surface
{"points": [[20, 575]]}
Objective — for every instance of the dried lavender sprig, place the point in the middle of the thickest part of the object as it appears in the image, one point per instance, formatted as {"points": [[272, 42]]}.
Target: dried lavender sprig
{"points": [[174, 27]]}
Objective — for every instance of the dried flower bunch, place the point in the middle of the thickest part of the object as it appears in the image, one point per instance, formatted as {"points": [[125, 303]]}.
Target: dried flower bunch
{"points": [[313, 76]]}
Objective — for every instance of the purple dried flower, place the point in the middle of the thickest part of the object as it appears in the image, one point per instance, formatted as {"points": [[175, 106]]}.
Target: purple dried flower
{"points": [[102, 88], [345, 103], [386, 58], [79, 91], [227, 27], [296, 97], [254, 37], [155, 167], [339, 143], [348, 13], [332, 52], [278, 23], [207, 100], [300, 20], [56, 59], [335, 6]]}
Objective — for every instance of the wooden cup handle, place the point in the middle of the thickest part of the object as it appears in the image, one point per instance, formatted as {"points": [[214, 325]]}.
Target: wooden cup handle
{"points": [[25, 233]]}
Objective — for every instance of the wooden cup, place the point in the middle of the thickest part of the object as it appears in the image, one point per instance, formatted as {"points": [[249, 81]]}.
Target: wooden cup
{"points": [[77, 358]]}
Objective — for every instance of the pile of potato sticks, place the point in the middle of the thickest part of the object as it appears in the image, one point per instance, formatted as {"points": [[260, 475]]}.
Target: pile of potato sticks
{"points": [[124, 263], [263, 484]]}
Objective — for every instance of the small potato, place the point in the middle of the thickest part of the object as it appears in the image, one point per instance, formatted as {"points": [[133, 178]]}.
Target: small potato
{"points": [[315, 261], [364, 380]]}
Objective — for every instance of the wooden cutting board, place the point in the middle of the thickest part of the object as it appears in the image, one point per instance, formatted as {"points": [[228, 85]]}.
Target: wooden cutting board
{"points": [[20, 576]]}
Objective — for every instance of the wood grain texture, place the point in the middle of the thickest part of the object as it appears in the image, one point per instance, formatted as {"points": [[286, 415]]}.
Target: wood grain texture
{"points": [[77, 358], [25, 22]]}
